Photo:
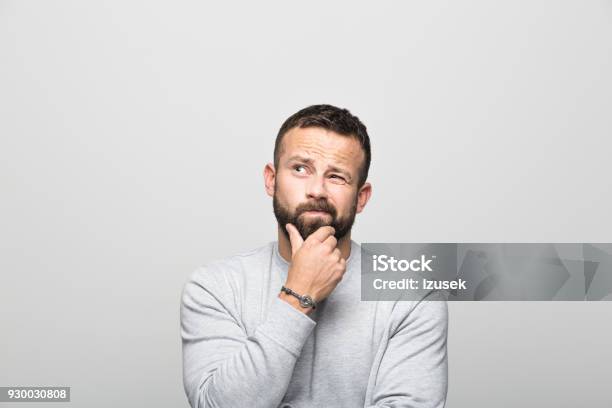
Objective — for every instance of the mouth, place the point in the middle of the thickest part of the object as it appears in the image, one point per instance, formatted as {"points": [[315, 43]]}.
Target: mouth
{"points": [[315, 213]]}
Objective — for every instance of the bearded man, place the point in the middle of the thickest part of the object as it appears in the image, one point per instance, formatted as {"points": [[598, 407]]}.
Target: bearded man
{"points": [[284, 325]]}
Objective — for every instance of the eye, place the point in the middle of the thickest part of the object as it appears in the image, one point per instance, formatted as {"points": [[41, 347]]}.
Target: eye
{"points": [[299, 168], [337, 177]]}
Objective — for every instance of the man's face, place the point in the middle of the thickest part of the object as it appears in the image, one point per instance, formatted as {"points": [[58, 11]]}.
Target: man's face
{"points": [[316, 181]]}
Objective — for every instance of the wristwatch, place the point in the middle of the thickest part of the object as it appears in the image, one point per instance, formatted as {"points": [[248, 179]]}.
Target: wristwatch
{"points": [[305, 300]]}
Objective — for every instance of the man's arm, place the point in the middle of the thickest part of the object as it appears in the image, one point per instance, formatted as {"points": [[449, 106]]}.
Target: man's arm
{"points": [[222, 366], [414, 369]]}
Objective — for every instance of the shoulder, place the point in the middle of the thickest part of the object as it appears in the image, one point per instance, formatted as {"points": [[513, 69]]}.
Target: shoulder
{"points": [[226, 274]]}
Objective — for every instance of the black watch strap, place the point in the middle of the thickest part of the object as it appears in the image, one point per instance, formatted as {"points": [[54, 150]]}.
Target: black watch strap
{"points": [[305, 300]]}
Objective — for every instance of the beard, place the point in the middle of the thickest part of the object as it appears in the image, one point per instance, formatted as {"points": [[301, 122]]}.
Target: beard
{"points": [[307, 225]]}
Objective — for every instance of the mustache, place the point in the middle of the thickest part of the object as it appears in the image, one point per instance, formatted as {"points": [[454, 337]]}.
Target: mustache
{"points": [[321, 205]]}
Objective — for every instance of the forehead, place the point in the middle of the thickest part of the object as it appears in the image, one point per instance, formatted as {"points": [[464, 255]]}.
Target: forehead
{"points": [[322, 145]]}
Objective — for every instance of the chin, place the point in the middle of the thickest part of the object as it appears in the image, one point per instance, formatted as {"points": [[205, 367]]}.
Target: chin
{"points": [[317, 221]]}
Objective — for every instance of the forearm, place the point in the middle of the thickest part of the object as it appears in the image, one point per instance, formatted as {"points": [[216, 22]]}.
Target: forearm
{"points": [[413, 371], [257, 373]]}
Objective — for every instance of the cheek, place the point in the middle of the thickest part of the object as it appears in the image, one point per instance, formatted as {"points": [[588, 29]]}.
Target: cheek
{"points": [[290, 190], [342, 200]]}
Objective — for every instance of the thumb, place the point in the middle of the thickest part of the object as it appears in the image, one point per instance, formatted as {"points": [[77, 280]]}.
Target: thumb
{"points": [[295, 238]]}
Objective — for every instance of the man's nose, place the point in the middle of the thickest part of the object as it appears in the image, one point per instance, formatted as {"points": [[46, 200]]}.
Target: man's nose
{"points": [[316, 187]]}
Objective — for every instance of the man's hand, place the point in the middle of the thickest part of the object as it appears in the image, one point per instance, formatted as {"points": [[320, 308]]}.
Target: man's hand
{"points": [[316, 265]]}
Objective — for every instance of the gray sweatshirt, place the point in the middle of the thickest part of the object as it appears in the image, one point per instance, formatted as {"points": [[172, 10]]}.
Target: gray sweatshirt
{"points": [[245, 347]]}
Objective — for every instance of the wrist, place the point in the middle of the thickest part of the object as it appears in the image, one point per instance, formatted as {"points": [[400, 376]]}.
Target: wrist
{"points": [[295, 303]]}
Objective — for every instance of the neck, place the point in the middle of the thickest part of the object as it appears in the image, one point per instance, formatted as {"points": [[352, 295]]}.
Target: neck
{"points": [[284, 245]]}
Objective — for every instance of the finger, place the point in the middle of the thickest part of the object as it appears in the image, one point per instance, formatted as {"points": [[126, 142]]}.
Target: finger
{"points": [[295, 238], [322, 233], [335, 256], [331, 242]]}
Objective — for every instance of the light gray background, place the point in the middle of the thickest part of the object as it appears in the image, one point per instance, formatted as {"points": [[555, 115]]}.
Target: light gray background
{"points": [[133, 140]]}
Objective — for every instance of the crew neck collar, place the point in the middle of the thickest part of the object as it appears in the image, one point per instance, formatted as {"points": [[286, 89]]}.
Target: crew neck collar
{"points": [[282, 262]]}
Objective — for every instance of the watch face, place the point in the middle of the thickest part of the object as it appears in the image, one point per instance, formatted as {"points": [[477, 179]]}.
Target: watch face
{"points": [[306, 301]]}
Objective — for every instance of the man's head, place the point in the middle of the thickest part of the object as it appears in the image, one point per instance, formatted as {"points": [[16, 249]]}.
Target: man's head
{"points": [[321, 162]]}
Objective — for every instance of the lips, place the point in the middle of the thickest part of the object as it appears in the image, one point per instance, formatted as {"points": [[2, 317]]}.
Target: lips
{"points": [[316, 212]]}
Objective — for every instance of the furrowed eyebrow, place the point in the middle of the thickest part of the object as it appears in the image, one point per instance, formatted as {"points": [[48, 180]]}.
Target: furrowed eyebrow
{"points": [[299, 158]]}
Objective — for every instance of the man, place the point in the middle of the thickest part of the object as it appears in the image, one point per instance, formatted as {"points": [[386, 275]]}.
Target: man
{"points": [[247, 343]]}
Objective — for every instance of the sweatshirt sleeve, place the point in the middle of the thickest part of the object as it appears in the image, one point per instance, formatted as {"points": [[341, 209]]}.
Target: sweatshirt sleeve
{"points": [[414, 368], [222, 365]]}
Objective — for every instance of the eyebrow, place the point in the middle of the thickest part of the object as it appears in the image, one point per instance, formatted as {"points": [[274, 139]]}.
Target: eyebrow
{"points": [[308, 160], [303, 159]]}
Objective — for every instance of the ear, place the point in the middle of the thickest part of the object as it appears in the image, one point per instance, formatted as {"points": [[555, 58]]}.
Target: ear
{"points": [[269, 178], [363, 196]]}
